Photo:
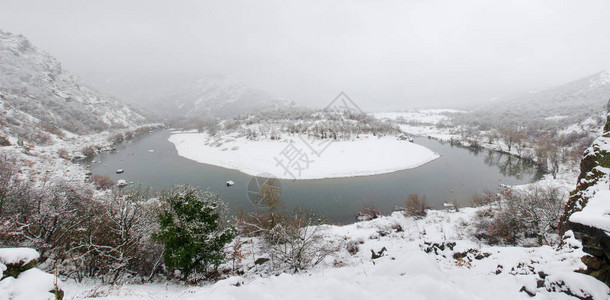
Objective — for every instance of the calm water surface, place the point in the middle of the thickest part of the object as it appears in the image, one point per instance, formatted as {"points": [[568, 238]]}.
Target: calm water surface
{"points": [[457, 175]]}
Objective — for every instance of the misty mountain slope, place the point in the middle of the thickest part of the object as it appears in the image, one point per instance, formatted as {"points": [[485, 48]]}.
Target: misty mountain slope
{"points": [[215, 97], [38, 98], [584, 96], [180, 96], [558, 108]]}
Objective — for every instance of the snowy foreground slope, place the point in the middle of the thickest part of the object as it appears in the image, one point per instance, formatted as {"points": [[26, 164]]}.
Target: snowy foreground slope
{"points": [[431, 258], [366, 155]]}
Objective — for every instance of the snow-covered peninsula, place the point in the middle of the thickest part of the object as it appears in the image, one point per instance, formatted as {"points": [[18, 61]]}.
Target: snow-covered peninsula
{"points": [[294, 157]]}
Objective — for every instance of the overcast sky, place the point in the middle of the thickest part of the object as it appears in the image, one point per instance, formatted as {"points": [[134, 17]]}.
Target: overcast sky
{"points": [[384, 54]]}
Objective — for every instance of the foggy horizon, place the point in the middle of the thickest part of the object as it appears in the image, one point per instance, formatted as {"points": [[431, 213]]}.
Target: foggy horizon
{"points": [[385, 55]]}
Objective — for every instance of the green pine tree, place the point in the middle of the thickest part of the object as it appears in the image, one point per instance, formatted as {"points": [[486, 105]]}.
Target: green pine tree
{"points": [[192, 232]]}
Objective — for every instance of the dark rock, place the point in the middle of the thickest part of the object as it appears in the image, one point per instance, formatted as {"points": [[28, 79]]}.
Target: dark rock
{"points": [[13, 270], [4, 141], [378, 254], [596, 243], [58, 293], [528, 292], [562, 287]]}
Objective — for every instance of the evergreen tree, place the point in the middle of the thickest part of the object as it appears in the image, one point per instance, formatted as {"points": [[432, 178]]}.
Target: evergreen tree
{"points": [[192, 232]]}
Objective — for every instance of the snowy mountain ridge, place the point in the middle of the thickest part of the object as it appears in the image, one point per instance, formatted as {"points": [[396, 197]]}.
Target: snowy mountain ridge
{"points": [[180, 96], [215, 96], [582, 97], [38, 98]]}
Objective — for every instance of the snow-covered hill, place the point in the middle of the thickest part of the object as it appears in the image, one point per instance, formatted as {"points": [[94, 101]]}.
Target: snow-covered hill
{"points": [[585, 96], [40, 101], [180, 96], [216, 97]]}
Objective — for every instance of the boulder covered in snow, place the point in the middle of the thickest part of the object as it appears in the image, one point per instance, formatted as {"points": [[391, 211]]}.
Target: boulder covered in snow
{"points": [[18, 255], [22, 280], [577, 285], [13, 261]]}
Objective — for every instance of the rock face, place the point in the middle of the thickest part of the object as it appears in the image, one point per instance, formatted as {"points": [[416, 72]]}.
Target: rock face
{"points": [[596, 243], [594, 177]]}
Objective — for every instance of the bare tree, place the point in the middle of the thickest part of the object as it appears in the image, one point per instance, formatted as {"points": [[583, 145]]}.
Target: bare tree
{"points": [[298, 242], [415, 206], [522, 214]]}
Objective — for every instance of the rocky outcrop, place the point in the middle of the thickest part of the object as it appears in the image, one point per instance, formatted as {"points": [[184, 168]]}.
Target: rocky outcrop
{"points": [[594, 177], [593, 173], [596, 243]]}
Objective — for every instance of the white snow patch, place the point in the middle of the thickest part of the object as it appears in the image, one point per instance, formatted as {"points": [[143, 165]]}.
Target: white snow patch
{"points": [[33, 284], [596, 213], [555, 118], [580, 285], [367, 155], [16, 255]]}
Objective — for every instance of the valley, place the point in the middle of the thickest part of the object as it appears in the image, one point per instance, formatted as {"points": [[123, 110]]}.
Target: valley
{"points": [[213, 172]]}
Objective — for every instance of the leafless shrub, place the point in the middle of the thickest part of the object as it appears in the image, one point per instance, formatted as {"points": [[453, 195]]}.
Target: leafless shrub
{"points": [[353, 246], [117, 239], [117, 138], [63, 153], [521, 216], [102, 182], [88, 150], [368, 213], [40, 137], [4, 141], [298, 243], [486, 198], [253, 223], [415, 206], [52, 129]]}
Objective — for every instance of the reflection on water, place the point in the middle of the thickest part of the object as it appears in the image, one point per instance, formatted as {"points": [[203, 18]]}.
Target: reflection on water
{"points": [[455, 176], [507, 165], [511, 166]]}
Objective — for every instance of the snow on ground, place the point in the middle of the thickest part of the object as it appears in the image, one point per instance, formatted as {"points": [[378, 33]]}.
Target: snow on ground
{"points": [[418, 263], [43, 162], [429, 131], [411, 268], [424, 116], [366, 155], [423, 122], [585, 126]]}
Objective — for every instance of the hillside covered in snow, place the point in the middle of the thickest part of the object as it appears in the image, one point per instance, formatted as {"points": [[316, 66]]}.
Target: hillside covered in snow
{"points": [[189, 96], [39, 101], [569, 103]]}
